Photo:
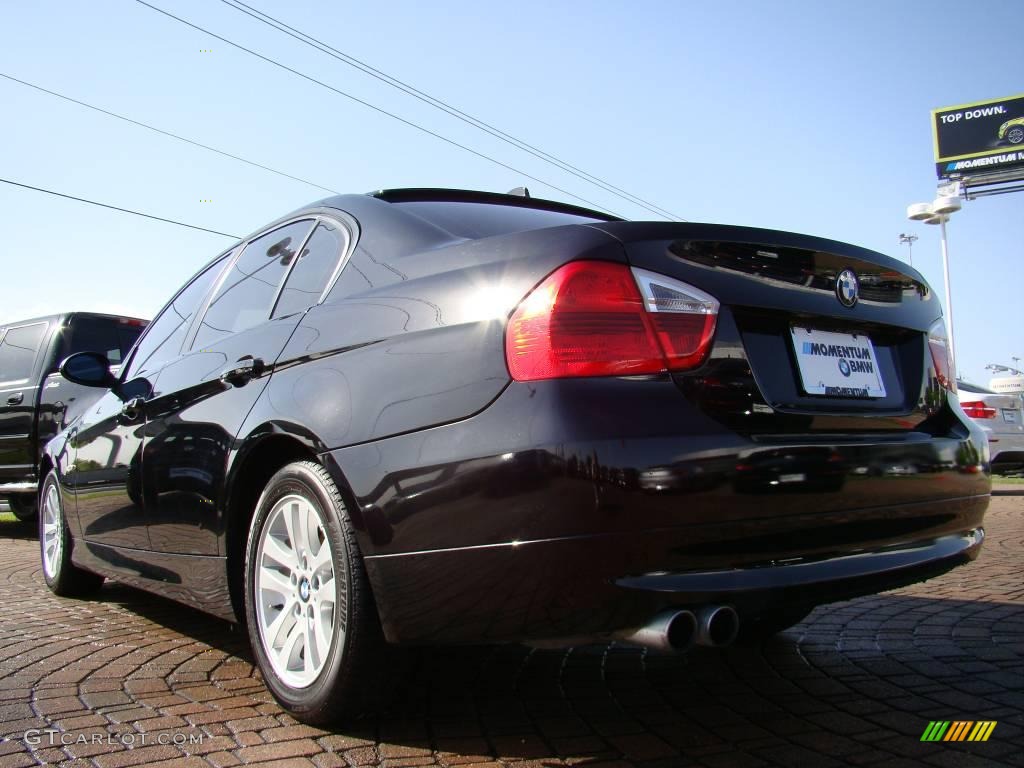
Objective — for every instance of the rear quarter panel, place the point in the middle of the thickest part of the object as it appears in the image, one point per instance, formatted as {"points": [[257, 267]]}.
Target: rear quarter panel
{"points": [[417, 340]]}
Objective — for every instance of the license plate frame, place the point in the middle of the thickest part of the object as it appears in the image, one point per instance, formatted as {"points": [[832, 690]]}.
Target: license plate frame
{"points": [[837, 364]]}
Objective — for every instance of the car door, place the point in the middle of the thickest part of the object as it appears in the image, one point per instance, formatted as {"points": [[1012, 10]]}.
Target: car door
{"points": [[19, 351], [203, 397], [106, 444]]}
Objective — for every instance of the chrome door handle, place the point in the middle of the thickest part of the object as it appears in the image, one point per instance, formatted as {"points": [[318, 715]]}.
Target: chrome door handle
{"points": [[242, 371], [16, 399]]}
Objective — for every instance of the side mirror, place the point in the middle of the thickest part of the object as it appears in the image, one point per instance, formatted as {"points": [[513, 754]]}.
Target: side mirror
{"points": [[90, 369]]}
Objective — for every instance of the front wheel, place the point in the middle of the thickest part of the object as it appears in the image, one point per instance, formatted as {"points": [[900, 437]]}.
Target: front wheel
{"points": [[61, 575], [311, 619], [1016, 134]]}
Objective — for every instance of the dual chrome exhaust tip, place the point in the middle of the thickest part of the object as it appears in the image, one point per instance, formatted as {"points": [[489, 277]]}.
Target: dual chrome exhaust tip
{"points": [[675, 631]]}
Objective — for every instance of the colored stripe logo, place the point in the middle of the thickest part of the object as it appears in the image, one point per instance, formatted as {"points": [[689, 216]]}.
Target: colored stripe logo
{"points": [[958, 730]]}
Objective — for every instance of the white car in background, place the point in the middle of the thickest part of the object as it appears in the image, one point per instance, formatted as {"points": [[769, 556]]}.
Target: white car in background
{"points": [[1000, 415]]}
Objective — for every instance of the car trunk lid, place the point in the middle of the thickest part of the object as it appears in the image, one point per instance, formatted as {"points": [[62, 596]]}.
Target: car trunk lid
{"points": [[779, 296]]}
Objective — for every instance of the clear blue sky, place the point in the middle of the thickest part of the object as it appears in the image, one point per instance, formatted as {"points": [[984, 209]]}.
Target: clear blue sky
{"points": [[804, 116]]}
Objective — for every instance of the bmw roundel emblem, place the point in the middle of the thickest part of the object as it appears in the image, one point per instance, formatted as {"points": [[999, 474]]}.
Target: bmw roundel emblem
{"points": [[844, 367], [847, 288]]}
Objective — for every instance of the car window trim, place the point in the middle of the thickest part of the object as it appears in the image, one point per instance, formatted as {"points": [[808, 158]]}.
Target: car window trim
{"points": [[351, 227], [345, 225]]}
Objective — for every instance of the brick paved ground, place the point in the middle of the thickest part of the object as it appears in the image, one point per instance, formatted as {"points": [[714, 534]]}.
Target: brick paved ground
{"points": [[854, 685]]}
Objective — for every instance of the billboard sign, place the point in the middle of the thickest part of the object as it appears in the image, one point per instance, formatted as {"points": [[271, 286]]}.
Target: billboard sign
{"points": [[1007, 384], [982, 137]]}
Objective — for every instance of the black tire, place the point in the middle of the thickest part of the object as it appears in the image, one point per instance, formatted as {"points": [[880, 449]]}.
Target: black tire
{"points": [[757, 630], [23, 506], [356, 671], [61, 575]]}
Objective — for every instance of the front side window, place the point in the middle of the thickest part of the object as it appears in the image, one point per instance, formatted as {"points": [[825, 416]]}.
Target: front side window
{"points": [[18, 351], [314, 268], [245, 296], [165, 335]]}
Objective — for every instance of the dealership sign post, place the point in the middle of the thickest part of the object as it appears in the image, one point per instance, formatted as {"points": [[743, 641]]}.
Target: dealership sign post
{"points": [[972, 139], [979, 151]]}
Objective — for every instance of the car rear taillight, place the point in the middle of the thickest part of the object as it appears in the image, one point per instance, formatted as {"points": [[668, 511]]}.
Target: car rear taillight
{"points": [[597, 318], [979, 410], [938, 343]]}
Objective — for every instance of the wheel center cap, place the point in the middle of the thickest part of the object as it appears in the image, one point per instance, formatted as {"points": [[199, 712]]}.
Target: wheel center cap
{"points": [[304, 590]]}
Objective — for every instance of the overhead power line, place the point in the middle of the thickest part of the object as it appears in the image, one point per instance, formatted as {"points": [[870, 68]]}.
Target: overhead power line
{"points": [[116, 208], [375, 108], [167, 133], [444, 106]]}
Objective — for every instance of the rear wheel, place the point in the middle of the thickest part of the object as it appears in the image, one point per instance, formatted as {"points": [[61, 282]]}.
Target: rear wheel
{"points": [[759, 629], [311, 618], [1016, 134], [62, 577], [24, 507]]}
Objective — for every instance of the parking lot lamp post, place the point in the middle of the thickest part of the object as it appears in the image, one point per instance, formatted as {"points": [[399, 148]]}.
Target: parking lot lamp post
{"points": [[938, 212], [908, 240]]}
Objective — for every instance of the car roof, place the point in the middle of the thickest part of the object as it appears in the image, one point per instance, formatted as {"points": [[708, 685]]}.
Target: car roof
{"points": [[366, 208], [60, 315]]}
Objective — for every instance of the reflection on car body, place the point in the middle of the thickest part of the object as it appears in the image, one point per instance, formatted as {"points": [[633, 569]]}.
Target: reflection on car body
{"points": [[440, 416]]}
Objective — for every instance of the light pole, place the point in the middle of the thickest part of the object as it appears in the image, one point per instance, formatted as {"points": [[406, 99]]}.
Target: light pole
{"points": [[938, 212], [996, 368], [908, 240]]}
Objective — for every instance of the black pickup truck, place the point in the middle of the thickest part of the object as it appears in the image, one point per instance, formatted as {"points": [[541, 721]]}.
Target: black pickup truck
{"points": [[35, 401]]}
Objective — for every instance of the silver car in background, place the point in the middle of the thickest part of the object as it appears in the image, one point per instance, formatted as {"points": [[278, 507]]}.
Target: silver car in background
{"points": [[1000, 415]]}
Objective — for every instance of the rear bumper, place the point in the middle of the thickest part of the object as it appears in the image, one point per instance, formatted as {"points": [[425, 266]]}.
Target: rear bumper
{"points": [[576, 509], [1005, 447], [592, 586]]}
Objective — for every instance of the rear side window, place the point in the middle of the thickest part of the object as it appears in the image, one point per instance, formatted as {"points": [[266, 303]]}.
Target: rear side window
{"points": [[165, 335], [476, 220], [110, 336], [245, 296], [314, 268], [18, 351]]}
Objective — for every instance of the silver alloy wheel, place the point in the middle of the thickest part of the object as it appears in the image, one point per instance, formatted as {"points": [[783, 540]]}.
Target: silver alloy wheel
{"points": [[295, 591], [53, 539]]}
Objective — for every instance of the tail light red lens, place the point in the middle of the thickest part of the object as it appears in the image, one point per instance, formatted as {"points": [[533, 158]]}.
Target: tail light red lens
{"points": [[979, 410], [590, 318], [938, 343]]}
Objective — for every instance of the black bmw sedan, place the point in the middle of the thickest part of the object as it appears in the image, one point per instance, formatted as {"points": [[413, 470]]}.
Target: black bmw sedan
{"points": [[435, 416]]}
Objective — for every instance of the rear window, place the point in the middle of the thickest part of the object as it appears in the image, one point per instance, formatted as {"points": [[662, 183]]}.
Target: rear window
{"points": [[110, 336], [18, 349], [966, 386], [476, 220]]}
